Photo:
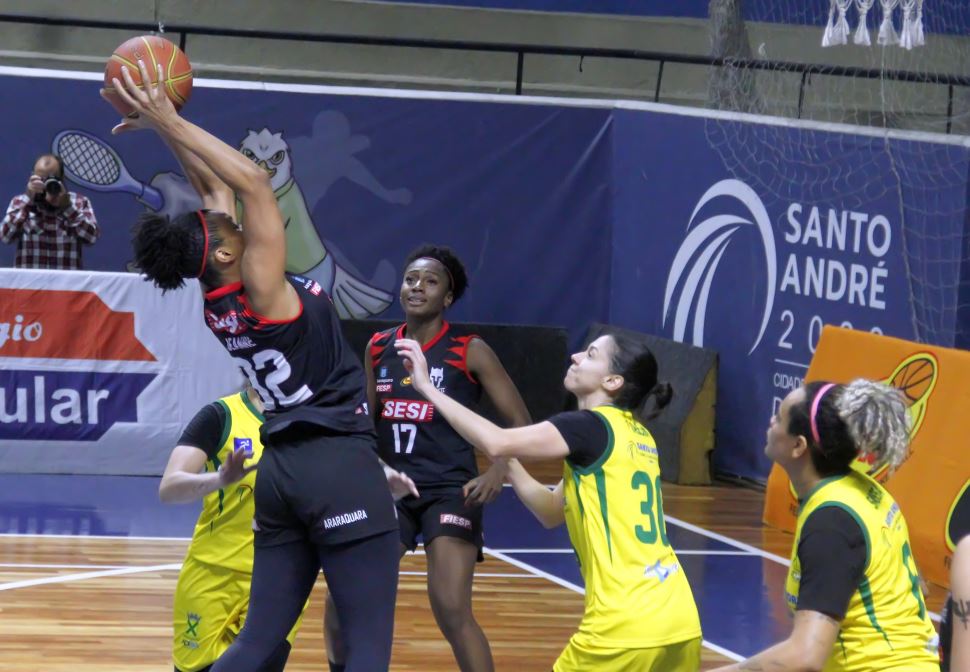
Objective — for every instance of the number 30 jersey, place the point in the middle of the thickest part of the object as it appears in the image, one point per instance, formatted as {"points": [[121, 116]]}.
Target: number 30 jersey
{"points": [[410, 436], [302, 369]]}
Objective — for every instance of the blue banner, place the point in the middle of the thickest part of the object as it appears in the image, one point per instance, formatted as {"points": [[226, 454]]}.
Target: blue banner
{"points": [[741, 236], [747, 238], [521, 192]]}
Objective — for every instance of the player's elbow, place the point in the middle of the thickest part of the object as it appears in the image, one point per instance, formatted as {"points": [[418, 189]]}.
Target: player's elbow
{"points": [[809, 657], [255, 178], [497, 446], [166, 494], [552, 520]]}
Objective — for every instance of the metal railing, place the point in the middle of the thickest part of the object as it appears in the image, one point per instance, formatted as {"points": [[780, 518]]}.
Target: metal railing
{"points": [[521, 51]]}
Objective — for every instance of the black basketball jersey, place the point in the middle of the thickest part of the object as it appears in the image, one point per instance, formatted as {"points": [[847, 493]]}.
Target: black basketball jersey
{"points": [[302, 368], [410, 436]]}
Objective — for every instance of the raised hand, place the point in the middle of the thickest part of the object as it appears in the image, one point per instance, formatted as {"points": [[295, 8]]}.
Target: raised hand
{"points": [[415, 362], [234, 468], [150, 105]]}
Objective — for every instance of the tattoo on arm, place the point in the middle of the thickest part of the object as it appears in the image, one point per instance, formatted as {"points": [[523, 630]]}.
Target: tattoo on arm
{"points": [[961, 609]]}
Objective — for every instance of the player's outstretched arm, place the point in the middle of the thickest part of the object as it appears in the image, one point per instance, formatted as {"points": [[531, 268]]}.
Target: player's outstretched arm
{"points": [[807, 648], [264, 259], [538, 441], [182, 481], [545, 504]]}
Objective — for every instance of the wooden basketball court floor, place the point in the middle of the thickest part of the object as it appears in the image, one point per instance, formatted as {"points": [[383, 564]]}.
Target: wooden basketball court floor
{"points": [[88, 565]]}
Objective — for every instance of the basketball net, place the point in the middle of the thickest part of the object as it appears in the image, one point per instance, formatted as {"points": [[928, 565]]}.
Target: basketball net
{"points": [[911, 34]]}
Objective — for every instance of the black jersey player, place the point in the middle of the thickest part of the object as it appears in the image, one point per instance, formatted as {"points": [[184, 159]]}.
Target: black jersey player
{"points": [[321, 499], [448, 515]]}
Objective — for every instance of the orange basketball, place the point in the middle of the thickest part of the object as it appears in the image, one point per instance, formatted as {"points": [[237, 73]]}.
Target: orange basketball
{"points": [[153, 50], [915, 377]]}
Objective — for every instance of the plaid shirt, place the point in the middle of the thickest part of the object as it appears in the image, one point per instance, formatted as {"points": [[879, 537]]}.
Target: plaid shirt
{"points": [[47, 238]]}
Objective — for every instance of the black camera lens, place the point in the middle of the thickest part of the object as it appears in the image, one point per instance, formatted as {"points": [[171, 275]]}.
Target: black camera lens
{"points": [[53, 186]]}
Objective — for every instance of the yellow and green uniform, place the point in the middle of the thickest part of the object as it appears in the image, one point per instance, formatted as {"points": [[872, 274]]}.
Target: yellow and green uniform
{"points": [[212, 595], [639, 604], [886, 625]]}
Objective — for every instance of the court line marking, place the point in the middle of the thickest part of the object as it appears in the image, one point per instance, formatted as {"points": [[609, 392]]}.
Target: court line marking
{"points": [[570, 551], [29, 565], [577, 589], [88, 575], [116, 537], [747, 547]]}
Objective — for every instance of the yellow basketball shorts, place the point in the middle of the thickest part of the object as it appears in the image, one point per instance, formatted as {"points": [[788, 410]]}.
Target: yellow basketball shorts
{"points": [[210, 609], [678, 657]]}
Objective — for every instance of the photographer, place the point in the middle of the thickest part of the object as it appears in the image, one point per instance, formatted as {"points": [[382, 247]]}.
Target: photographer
{"points": [[48, 222]]}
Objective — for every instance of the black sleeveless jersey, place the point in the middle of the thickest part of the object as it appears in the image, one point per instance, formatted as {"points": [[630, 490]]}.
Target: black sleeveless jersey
{"points": [[946, 634], [410, 436], [302, 369]]}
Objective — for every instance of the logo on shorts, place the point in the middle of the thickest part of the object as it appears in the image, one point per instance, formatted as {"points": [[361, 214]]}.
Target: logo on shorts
{"points": [[245, 445], [452, 519], [191, 631], [344, 519]]}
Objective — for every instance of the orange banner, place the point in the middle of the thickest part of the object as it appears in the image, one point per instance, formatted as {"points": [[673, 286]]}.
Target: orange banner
{"points": [[931, 485]]}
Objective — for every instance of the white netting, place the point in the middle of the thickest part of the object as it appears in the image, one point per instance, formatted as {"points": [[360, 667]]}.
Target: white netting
{"points": [[930, 39]]}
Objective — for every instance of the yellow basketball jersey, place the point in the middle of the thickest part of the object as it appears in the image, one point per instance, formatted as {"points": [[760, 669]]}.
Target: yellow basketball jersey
{"points": [[224, 533], [886, 626], [637, 595]]}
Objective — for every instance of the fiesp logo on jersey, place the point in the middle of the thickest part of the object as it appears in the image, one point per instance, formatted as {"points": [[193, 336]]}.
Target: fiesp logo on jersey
{"points": [[71, 366]]}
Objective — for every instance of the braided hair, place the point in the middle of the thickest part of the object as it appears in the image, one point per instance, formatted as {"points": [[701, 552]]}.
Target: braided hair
{"points": [[842, 422], [169, 250]]}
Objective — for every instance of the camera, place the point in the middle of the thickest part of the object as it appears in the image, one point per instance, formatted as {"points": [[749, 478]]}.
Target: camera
{"points": [[53, 187]]}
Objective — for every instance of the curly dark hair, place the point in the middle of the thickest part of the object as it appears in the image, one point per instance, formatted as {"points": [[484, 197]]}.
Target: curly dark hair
{"points": [[169, 250], [457, 276], [863, 417]]}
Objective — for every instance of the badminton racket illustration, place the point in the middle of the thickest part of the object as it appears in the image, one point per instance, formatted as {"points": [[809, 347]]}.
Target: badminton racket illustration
{"points": [[92, 163]]}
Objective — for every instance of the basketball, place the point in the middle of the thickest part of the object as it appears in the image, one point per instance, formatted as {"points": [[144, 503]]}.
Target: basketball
{"points": [[915, 377], [153, 50]]}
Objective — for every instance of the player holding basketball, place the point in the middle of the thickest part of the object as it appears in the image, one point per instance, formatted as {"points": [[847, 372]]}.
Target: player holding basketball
{"points": [[214, 460], [413, 438], [853, 583], [640, 613], [321, 499]]}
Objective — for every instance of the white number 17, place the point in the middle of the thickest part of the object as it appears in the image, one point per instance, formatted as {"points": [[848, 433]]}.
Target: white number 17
{"points": [[411, 431]]}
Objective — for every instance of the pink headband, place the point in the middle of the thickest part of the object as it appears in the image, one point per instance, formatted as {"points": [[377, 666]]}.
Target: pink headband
{"points": [[815, 403], [450, 279], [205, 248]]}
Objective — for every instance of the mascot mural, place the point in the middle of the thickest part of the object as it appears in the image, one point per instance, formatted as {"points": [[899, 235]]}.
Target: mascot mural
{"points": [[92, 163]]}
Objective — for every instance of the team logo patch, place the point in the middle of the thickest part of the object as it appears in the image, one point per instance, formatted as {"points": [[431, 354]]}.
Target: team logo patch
{"points": [[452, 519], [383, 373], [245, 445], [660, 571], [437, 376], [407, 409], [229, 322]]}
